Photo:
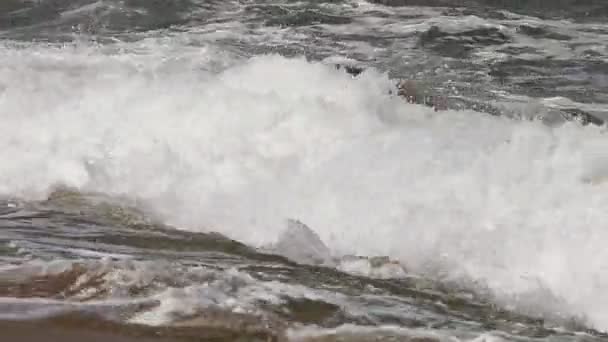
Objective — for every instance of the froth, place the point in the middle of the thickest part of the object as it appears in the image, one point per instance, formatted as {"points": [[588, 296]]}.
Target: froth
{"points": [[516, 204]]}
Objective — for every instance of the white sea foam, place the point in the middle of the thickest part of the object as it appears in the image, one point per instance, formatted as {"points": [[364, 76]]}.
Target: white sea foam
{"points": [[517, 205]]}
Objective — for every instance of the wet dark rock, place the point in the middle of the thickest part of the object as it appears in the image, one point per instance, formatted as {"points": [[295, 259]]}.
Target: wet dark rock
{"points": [[350, 69], [409, 90], [585, 118], [412, 93], [477, 106]]}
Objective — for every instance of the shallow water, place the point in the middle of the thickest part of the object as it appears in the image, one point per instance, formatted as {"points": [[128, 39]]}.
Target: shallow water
{"points": [[73, 256]]}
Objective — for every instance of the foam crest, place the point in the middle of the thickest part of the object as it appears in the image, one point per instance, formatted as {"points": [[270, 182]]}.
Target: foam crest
{"points": [[516, 204]]}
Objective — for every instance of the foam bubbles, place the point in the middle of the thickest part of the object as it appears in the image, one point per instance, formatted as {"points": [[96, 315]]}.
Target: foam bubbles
{"points": [[239, 151]]}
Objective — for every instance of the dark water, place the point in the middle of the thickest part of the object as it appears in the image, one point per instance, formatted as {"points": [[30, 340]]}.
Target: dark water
{"points": [[87, 257], [534, 48]]}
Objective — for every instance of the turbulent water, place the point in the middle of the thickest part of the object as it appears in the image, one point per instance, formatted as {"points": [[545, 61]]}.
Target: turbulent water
{"points": [[204, 167]]}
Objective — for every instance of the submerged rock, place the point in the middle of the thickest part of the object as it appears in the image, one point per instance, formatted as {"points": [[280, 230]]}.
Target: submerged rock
{"points": [[409, 90], [581, 116], [350, 69], [414, 94]]}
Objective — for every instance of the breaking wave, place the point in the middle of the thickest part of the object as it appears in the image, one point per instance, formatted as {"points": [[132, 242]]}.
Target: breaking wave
{"points": [[238, 146]]}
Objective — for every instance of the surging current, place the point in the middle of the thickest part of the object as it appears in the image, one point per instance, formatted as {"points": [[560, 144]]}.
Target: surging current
{"points": [[131, 130]]}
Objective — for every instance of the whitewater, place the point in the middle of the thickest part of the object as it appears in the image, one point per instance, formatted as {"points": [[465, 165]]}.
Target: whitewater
{"points": [[204, 138], [513, 203]]}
